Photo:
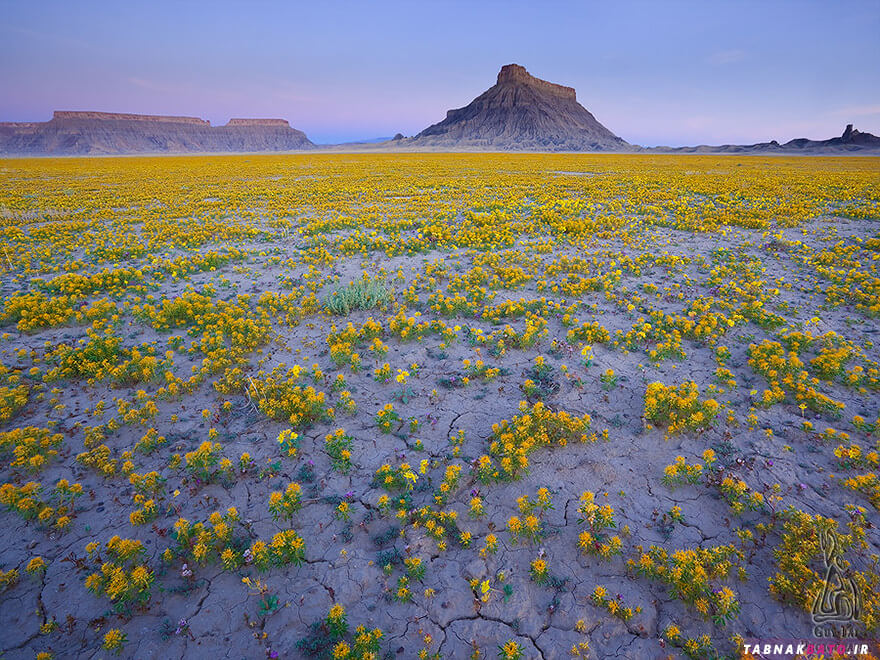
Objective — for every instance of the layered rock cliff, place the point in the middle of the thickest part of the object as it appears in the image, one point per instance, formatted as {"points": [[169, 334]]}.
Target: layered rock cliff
{"points": [[521, 113], [96, 133]]}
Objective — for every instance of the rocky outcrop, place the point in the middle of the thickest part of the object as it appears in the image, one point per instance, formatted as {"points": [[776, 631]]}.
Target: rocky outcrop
{"points": [[850, 142], [515, 74], [521, 113], [122, 116], [278, 123], [97, 133]]}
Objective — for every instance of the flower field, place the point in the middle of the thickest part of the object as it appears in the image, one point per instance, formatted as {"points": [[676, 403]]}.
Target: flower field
{"points": [[435, 405]]}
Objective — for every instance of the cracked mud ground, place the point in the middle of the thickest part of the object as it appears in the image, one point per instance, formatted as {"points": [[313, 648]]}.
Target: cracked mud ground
{"points": [[246, 252]]}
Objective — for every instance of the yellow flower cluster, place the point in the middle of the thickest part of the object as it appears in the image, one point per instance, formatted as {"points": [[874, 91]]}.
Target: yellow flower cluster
{"points": [[787, 376], [279, 396], [542, 502], [511, 650], [207, 463], [34, 311], [529, 527], [150, 441], [114, 281], [690, 573], [600, 598], [539, 571], [332, 630], [395, 479], [114, 640], [849, 270], [286, 547], [478, 369], [679, 408], [338, 446], [98, 458], [56, 511], [31, 447], [535, 427], [598, 519], [103, 357], [695, 648], [451, 478], [415, 568], [739, 496], [146, 511], [8, 578], [800, 574], [36, 566], [867, 484], [12, 399], [499, 341], [122, 577], [382, 374], [438, 524], [285, 504], [206, 542], [386, 418], [590, 333]]}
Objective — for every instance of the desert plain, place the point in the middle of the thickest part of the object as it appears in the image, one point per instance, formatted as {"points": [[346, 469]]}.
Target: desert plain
{"points": [[436, 405]]}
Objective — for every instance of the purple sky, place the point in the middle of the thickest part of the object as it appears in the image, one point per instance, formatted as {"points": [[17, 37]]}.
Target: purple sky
{"points": [[653, 72]]}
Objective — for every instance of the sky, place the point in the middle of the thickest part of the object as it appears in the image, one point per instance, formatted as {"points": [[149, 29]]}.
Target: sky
{"points": [[655, 73]]}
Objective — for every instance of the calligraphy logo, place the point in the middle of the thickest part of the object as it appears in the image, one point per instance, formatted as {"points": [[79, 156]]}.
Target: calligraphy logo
{"points": [[840, 600]]}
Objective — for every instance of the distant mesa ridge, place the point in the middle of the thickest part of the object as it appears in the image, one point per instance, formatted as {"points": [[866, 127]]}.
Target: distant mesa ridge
{"points": [[851, 141], [278, 123], [121, 116], [76, 132], [518, 113], [170, 119]]}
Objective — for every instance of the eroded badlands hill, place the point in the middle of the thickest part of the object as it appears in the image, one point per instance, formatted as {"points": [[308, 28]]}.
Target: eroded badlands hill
{"points": [[96, 133]]}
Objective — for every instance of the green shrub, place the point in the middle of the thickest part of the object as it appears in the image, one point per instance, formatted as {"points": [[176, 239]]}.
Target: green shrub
{"points": [[365, 293]]}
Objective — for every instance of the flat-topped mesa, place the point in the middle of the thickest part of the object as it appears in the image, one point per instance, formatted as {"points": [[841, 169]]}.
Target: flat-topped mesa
{"points": [[75, 132], [277, 123], [516, 74], [122, 116]]}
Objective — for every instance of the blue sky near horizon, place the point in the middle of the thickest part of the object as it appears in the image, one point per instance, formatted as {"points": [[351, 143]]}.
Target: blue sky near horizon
{"points": [[674, 72]]}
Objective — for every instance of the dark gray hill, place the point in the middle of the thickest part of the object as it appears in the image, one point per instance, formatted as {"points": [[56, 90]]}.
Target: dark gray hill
{"points": [[521, 113]]}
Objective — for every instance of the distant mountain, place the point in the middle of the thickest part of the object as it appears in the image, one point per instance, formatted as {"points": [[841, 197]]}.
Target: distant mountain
{"points": [[520, 113], [363, 141], [852, 141], [102, 133]]}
